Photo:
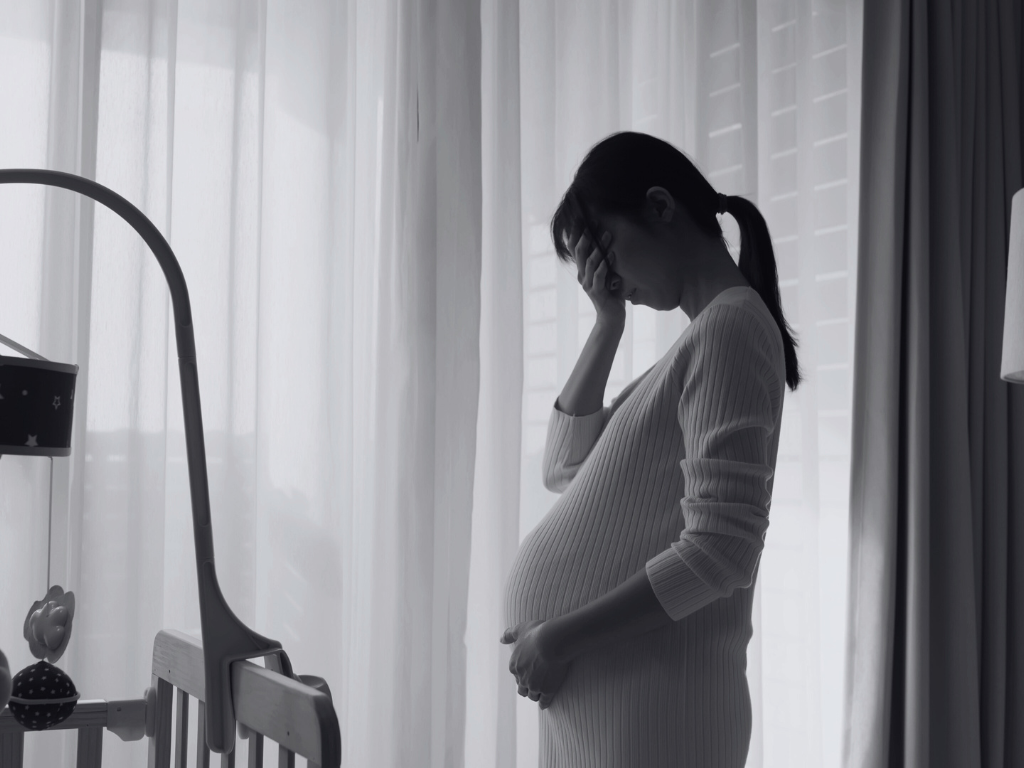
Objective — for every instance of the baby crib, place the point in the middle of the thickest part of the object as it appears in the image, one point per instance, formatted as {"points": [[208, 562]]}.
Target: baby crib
{"points": [[300, 718], [271, 702]]}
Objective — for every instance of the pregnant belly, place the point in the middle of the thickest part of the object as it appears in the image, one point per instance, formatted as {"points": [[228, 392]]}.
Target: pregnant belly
{"points": [[577, 554]]}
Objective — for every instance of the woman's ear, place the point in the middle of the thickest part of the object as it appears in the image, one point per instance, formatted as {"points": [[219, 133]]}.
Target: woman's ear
{"points": [[659, 198]]}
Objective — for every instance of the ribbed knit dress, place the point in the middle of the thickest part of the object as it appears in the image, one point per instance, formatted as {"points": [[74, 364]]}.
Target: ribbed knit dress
{"points": [[674, 477]]}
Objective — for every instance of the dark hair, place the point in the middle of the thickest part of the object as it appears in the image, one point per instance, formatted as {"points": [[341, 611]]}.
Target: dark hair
{"points": [[614, 178]]}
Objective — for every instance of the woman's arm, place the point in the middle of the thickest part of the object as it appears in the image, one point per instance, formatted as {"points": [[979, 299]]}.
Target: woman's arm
{"points": [[583, 393]]}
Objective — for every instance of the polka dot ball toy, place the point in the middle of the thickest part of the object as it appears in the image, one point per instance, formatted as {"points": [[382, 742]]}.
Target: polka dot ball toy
{"points": [[42, 696]]}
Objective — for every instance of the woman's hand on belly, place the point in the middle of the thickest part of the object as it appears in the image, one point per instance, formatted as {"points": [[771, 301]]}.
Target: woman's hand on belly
{"points": [[534, 665]]}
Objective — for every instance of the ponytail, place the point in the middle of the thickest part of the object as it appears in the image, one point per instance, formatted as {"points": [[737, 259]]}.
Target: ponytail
{"points": [[757, 265]]}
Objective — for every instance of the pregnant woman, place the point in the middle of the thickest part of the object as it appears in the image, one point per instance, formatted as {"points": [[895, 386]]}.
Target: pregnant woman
{"points": [[629, 604]]}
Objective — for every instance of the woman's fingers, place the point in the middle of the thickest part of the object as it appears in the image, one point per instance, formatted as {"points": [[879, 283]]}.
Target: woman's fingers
{"points": [[594, 272], [544, 701], [589, 258], [582, 256], [600, 273], [593, 263], [533, 695], [585, 248]]}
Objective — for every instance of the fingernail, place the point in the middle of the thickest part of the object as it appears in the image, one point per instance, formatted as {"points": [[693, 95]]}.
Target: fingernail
{"points": [[606, 237]]}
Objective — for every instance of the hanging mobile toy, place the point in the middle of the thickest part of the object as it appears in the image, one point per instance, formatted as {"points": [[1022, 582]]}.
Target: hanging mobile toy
{"points": [[38, 422], [43, 695]]}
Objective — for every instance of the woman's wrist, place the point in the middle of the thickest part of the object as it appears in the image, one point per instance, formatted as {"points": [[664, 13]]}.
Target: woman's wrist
{"points": [[611, 326]]}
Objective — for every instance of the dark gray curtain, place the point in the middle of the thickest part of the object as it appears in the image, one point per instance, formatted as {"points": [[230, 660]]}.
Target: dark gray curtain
{"points": [[935, 646]]}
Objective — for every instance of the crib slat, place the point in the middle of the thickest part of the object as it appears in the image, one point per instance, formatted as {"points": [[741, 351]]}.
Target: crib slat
{"points": [[90, 747], [202, 751], [12, 749], [181, 731], [160, 743], [227, 760], [255, 750], [285, 757]]}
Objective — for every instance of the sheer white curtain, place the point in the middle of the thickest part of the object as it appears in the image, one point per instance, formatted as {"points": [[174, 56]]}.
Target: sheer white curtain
{"points": [[364, 236], [312, 166]]}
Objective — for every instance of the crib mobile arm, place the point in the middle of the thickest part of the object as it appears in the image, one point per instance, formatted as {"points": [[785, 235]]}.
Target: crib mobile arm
{"points": [[225, 639]]}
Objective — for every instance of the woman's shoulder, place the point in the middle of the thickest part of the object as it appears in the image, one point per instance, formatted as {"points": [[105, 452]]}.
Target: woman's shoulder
{"points": [[736, 312], [739, 321]]}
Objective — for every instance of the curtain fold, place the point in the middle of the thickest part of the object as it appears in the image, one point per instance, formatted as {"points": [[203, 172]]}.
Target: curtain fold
{"points": [[491, 728], [427, 361], [934, 673]]}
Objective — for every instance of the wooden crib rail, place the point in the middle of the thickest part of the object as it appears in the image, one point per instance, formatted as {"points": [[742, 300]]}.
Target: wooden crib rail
{"points": [[267, 705], [300, 719], [125, 718]]}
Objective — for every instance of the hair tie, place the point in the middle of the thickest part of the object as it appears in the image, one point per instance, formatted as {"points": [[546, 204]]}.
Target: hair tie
{"points": [[721, 202]]}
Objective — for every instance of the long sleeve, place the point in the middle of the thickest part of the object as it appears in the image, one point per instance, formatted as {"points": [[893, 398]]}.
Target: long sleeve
{"points": [[571, 438], [730, 397]]}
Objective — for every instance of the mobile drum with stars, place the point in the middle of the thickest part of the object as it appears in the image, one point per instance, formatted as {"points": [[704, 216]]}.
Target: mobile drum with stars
{"points": [[37, 400]]}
